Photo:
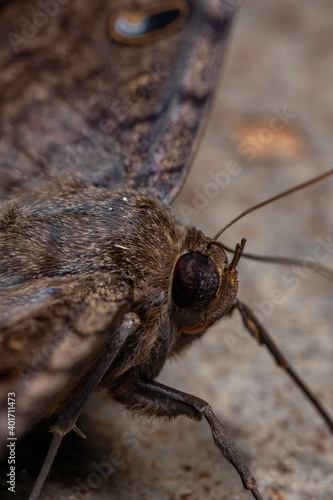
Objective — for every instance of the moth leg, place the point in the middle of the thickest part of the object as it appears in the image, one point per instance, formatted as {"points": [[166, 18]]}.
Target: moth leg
{"points": [[46, 467], [155, 399], [67, 419], [66, 422], [262, 336]]}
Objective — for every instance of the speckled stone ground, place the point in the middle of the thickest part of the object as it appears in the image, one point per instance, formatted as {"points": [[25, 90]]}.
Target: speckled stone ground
{"points": [[280, 61]]}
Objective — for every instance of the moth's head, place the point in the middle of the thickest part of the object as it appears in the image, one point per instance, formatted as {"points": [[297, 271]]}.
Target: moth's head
{"points": [[204, 286]]}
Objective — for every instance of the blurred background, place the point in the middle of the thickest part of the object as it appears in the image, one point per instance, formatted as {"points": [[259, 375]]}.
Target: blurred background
{"points": [[280, 60], [272, 117]]}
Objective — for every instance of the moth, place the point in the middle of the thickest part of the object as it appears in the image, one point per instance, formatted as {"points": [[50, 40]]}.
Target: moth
{"points": [[107, 273]]}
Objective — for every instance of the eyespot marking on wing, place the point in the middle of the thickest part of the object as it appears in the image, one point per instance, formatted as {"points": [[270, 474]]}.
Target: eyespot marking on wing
{"points": [[137, 27]]}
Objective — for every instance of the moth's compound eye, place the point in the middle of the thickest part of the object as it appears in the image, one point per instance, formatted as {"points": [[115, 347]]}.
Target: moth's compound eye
{"points": [[195, 281], [144, 25]]}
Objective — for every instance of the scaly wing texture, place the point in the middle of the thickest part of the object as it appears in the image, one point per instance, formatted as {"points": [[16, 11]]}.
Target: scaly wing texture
{"points": [[76, 103], [52, 333]]}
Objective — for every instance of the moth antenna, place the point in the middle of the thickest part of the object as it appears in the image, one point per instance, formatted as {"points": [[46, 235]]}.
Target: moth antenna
{"points": [[323, 271], [312, 181], [238, 252]]}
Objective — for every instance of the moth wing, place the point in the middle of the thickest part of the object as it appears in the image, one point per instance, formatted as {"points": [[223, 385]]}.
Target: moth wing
{"points": [[79, 104], [52, 333]]}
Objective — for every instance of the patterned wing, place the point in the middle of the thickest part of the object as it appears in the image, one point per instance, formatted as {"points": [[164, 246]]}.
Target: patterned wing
{"points": [[52, 333], [83, 97]]}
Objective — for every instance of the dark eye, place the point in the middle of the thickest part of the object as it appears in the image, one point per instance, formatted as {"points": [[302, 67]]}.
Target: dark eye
{"points": [[195, 281]]}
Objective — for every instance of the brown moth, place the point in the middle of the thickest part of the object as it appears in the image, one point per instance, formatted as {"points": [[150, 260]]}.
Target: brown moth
{"points": [[86, 261]]}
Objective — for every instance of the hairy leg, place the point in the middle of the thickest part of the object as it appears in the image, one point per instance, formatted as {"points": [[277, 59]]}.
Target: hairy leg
{"points": [[154, 399]]}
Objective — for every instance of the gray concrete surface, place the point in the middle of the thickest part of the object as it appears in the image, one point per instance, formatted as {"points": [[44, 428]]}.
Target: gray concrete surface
{"points": [[281, 57]]}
